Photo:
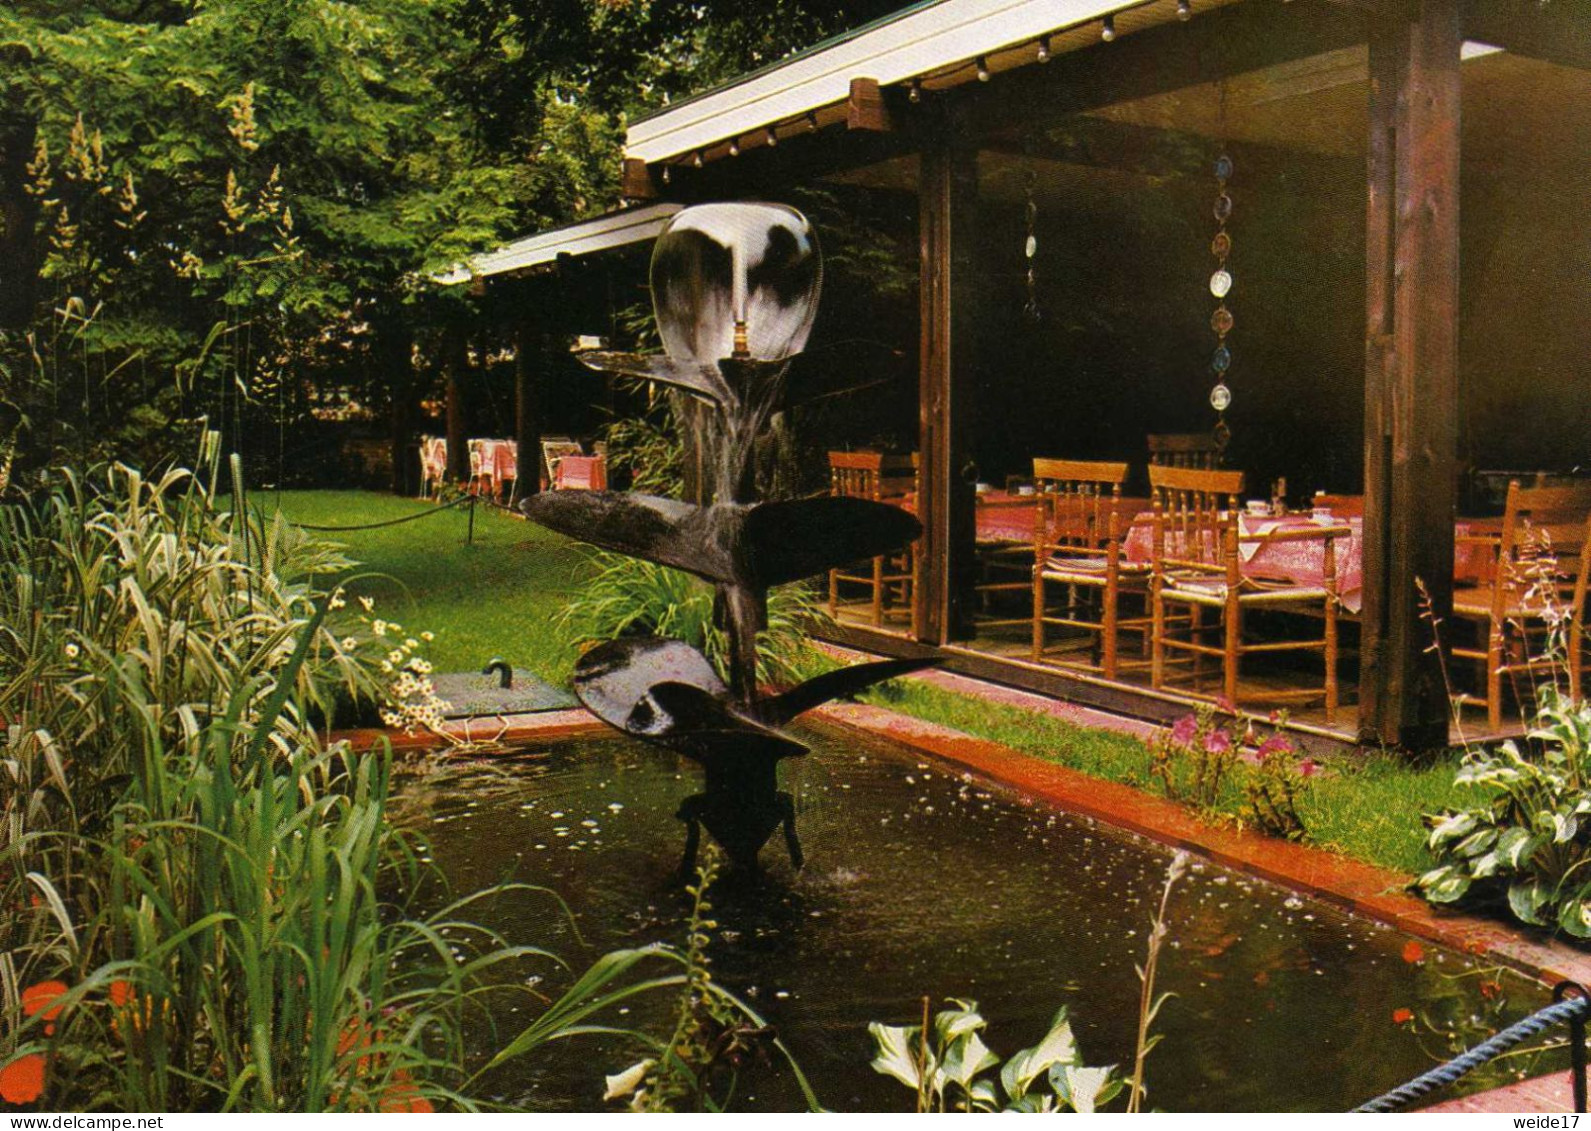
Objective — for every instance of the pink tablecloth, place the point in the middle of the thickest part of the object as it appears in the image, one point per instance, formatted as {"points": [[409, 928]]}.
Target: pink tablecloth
{"points": [[582, 473], [1006, 517], [1304, 562]]}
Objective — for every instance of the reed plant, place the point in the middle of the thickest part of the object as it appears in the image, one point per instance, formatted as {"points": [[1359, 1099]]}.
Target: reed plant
{"points": [[204, 905]]}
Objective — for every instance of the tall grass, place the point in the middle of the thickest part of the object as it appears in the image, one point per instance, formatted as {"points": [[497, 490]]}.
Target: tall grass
{"points": [[197, 890]]}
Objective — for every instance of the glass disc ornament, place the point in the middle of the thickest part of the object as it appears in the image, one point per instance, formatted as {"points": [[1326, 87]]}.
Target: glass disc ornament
{"points": [[1221, 321], [1220, 397], [1222, 359], [715, 263], [1221, 283], [1031, 248], [1223, 208], [1221, 246], [1223, 168]]}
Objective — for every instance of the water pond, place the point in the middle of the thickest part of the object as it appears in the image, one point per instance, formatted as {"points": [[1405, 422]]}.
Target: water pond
{"points": [[924, 880]]}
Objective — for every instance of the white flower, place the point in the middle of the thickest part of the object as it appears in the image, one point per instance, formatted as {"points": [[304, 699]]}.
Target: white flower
{"points": [[336, 601], [386, 665], [349, 644], [379, 628], [72, 650], [367, 603], [421, 666], [411, 643], [428, 635], [395, 656]]}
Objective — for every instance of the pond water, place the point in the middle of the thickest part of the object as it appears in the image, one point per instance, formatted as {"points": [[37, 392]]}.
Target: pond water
{"points": [[924, 880]]}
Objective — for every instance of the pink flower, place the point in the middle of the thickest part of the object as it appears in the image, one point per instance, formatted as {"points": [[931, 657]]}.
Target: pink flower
{"points": [[1185, 730], [1222, 703], [1275, 744], [1217, 742], [1308, 768]]}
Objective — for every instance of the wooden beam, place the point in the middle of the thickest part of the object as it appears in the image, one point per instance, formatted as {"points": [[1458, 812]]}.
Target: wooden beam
{"points": [[866, 109], [1558, 32], [637, 180], [1411, 372], [947, 217]]}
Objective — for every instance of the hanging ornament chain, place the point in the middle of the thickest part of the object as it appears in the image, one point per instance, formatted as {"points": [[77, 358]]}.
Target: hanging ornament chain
{"points": [[1220, 287], [1030, 250]]}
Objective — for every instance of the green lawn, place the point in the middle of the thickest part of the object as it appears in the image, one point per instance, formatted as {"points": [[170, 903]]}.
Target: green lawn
{"points": [[500, 596], [497, 596]]}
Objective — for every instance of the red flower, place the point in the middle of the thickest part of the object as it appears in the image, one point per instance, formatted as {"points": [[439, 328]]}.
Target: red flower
{"points": [[120, 993], [1308, 768], [22, 1081], [1402, 1016], [1275, 744], [1490, 990], [44, 998], [1413, 952]]}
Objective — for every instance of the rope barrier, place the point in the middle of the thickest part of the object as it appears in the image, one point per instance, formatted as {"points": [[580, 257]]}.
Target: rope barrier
{"points": [[1571, 1011], [467, 500]]}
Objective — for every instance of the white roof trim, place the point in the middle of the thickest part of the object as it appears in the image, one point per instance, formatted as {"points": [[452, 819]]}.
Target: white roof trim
{"points": [[615, 229], [915, 44]]}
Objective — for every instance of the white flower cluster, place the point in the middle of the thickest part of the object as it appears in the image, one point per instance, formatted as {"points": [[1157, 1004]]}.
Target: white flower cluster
{"points": [[413, 702]]}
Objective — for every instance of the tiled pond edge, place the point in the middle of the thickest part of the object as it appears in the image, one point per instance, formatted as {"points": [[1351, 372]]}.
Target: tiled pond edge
{"points": [[1377, 893]]}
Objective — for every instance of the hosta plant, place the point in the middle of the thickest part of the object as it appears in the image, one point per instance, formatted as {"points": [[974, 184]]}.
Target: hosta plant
{"points": [[1529, 840], [950, 1068]]}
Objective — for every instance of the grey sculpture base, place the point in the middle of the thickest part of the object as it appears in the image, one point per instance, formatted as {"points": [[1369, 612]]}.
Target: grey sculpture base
{"points": [[471, 693]]}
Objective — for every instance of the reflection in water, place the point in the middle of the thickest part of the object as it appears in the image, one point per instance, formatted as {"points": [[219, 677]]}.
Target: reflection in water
{"points": [[924, 881]]}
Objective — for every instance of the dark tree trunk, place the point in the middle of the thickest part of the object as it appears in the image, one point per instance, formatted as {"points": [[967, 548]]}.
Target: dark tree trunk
{"points": [[395, 356], [455, 363], [19, 215]]}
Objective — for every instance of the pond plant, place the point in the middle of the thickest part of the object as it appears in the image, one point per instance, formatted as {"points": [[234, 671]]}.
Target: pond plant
{"points": [[206, 908]]}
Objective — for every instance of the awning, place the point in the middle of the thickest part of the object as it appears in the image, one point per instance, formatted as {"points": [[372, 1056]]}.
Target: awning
{"points": [[919, 40], [602, 233]]}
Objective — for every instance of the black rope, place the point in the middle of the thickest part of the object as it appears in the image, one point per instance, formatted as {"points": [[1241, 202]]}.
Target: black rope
{"points": [[1564, 1012], [467, 499]]}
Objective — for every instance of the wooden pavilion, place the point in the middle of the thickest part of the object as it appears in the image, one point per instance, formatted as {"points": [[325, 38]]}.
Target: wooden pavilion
{"points": [[1411, 180]]}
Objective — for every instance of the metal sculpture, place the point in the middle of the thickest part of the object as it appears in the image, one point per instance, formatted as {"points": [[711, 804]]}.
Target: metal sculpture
{"points": [[735, 289]]}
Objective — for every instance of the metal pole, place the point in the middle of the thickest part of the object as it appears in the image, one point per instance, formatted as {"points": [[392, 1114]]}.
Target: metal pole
{"points": [[469, 537], [1577, 1056]]}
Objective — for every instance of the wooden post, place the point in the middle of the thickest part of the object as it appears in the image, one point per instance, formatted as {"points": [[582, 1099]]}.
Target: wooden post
{"points": [[947, 213], [528, 358], [1411, 371], [455, 360]]}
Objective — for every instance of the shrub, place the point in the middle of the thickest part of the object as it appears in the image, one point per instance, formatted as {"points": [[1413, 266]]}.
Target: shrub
{"points": [[1529, 840], [629, 596]]}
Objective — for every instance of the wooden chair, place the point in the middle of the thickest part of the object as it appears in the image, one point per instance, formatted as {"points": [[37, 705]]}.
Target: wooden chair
{"points": [[1197, 566], [1536, 595], [1184, 449], [891, 579], [553, 449], [1077, 538]]}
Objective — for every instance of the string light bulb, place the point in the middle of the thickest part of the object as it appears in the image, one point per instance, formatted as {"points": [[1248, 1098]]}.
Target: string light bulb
{"points": [[1044, 49], [914, 91], [771, 137], [1107, 30], [812, 119], [734, 147], [667, 175], [696, 159], [983, 69], [1184, 10]]}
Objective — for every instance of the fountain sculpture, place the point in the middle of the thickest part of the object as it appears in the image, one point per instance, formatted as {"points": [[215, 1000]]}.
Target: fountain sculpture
{"points": [[735, 289]]}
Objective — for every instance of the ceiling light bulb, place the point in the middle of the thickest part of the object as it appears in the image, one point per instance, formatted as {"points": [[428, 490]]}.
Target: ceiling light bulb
{"points": [[1107, 31], [772, 138], [983, 69], [914, 91], [734, 147], [666, 175], [1044, 49], [696, 159], [1184, 10]]}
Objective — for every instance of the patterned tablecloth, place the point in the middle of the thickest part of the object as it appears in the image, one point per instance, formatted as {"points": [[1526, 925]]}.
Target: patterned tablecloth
{"points": [[1006, 517], [1304, 562]]}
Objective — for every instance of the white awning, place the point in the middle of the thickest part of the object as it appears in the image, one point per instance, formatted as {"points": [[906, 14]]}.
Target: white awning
{"points": [[914, 42], [602, 233]]}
